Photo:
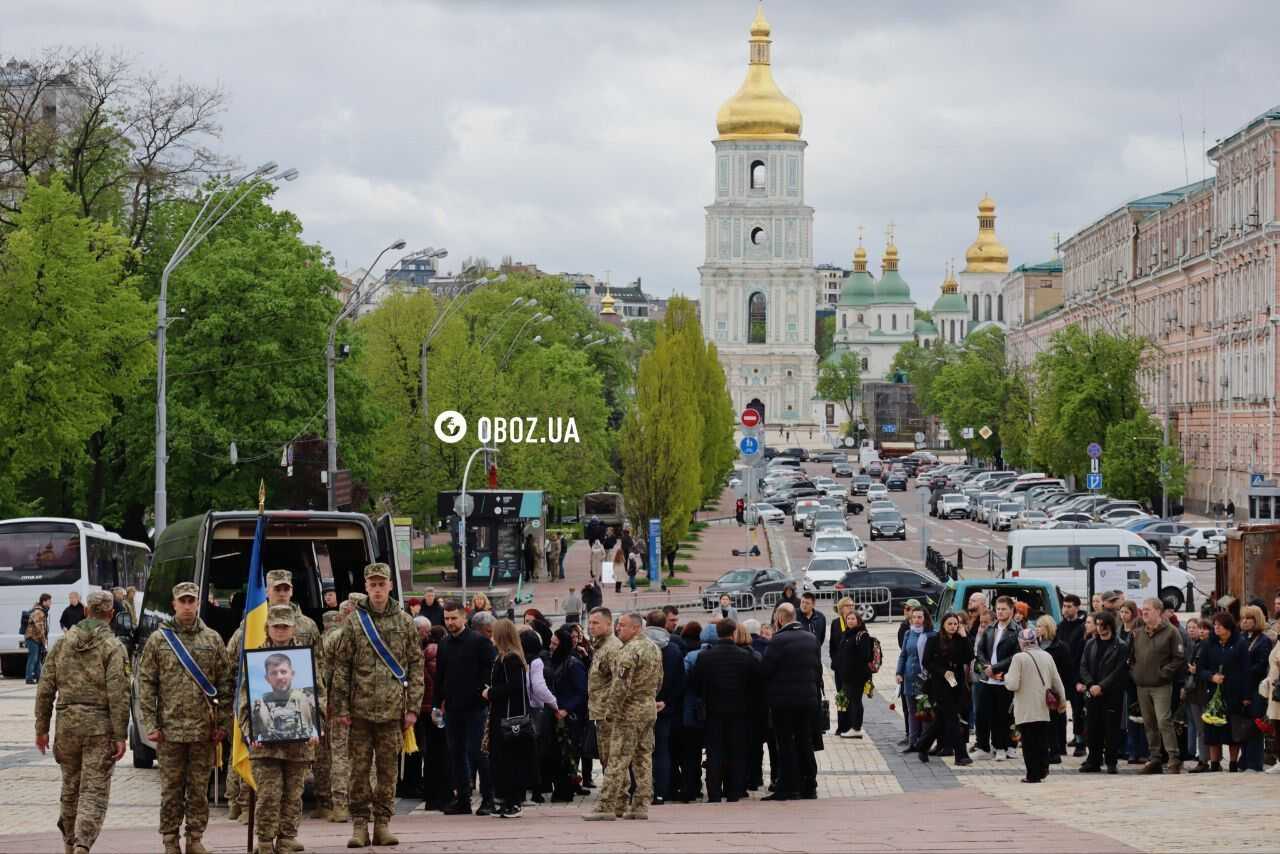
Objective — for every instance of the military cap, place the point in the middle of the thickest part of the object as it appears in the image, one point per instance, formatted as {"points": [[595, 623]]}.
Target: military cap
{"points": [[377, 570], [280, 615], [99, 600], [331, 618], [186, 588], [276, 577]]}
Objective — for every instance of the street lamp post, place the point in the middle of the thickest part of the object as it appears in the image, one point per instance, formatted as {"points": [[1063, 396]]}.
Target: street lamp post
{"points": [[539, 317], [331, 405], [229, 198], [510, 314], [462, 517], [463, 293]]}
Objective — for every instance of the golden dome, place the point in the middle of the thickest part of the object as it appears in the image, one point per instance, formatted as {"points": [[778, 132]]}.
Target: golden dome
{"points": [[860, 259], [606, 304], [949, 284], [758, 110], [986, 254]]}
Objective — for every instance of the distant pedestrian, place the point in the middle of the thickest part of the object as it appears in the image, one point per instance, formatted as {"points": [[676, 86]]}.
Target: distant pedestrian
{"points": [[73, 613], [572, 607], [36, 637]]}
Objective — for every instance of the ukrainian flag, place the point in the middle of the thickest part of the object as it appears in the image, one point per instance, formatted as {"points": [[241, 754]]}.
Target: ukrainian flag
{"points": [[254, 636]]}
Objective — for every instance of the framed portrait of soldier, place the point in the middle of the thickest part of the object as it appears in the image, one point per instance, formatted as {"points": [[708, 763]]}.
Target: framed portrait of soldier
{"points": [[282, 694]]}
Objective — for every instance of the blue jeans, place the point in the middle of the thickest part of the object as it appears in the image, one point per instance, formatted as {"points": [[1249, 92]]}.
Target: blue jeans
{"points": [[464, 733], [662, 757], [35, 658]]}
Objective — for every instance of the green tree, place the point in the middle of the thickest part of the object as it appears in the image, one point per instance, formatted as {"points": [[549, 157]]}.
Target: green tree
{"points": [[660, 444], [825, 339], [74, 341], [1133, 458], [921, 365], [1085, 382], [971, 391], [840, 380], [1016, 425]]}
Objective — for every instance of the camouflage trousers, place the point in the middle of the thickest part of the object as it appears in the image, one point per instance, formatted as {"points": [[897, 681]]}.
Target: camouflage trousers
{"points": [[86, 785], [375, 745], [630, 748], [603, 734], [323, 775], [339, 756], [278, 800], [237, 791], [184, 785]]}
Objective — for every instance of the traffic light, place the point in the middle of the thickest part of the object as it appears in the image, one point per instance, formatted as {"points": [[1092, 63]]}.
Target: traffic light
{"points": [[740, 509]]}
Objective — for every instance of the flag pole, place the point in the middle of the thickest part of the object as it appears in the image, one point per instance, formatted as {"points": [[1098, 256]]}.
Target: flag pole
{"points": [[253, 794]]}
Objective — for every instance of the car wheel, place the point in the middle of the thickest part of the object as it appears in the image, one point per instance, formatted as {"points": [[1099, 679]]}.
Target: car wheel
{"points": [[866, 611], [1172, 594], [1202, 553]]}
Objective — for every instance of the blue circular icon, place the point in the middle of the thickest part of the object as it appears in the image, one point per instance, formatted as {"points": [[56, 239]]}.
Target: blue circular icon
{"points": [[749, 445], [1094, 450]]}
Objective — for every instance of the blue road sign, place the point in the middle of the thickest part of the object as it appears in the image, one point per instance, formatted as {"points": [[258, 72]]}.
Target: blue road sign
{"points": [[1094, 450], [1093, 481], [1255, 479], [749, 445], [655, 549], [888, 428]]}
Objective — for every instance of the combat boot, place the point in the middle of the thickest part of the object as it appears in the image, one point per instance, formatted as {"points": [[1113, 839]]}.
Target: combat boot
{"points": [[284, 845], [68, 848], [340, 815], [382, 834], [359, 836], [263, 847], [171, 845], [233, 810], [243, 818], [194, 845], [79, 849], [321, 813]]}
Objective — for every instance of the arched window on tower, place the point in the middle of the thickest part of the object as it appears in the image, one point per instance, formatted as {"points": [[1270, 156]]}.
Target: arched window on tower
{"points": [[880, 321], [844, 321], [865, 365], [759, 175], [893, 318], [1000, 307], [757, 315], [927, 342], [986, 307], [973, 305]]}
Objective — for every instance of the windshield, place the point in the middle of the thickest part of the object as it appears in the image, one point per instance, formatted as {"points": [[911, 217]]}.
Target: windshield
{"points": [[885, 516], [1010, 508], [829, 564], [736, 576], [39, 553], [836, 544], [829, 516], [1034, 514]]}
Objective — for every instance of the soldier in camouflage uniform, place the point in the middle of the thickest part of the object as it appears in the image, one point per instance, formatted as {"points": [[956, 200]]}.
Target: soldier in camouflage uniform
{"points": [[321, 769], [180, 720], [338, 737], [279, 592], [632, 710], [289, 716], [376, 706], [86, 673], [600, 677]]}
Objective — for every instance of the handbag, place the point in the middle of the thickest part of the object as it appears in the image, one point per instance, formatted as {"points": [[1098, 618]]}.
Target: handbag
{"points": [[516, 728], [1050, 698], [1242, 728]]}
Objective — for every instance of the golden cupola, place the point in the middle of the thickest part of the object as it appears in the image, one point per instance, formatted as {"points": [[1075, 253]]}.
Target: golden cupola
{"points": [[759, 110], [986, 254]]}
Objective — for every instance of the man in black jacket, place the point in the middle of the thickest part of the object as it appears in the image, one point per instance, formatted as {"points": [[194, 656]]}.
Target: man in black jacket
{"points": [[463, 667], [813, 620], [724, 676], [73, 613], [992, 655], [670, 702], [1103, 675], [792, 670], [1071, 633]]}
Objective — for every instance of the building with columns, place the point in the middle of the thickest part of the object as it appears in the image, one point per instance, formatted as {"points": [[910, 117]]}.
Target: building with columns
{"points": [[986, 262], [1194, 271], [759, 287]]}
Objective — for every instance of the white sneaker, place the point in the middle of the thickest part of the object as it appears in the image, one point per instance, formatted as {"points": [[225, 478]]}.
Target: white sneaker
{"points": [[986, 755], [857, 733], [846, 734], [1274, 769], [1001, 756], [1010, 754]]}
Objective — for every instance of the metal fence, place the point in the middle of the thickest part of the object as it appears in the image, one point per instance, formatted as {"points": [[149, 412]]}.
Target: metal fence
{"points": [[874, 596]]}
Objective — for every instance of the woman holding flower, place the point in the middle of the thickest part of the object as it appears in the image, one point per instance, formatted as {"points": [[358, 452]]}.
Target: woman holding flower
{"points": [[1223, 668]]}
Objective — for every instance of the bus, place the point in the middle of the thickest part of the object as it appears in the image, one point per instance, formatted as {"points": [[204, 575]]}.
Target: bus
{"points": [[41, 555], [607, 506]]}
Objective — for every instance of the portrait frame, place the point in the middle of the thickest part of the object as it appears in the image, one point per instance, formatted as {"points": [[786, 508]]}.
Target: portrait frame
{"points": [[295, 710]]}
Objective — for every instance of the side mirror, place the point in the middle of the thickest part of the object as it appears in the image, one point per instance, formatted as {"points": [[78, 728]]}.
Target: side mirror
{"points": [[809, 549]]}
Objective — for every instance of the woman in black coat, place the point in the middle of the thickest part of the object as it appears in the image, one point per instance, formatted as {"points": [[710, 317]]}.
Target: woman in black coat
{"points": [[1224, 663], [946, 657], [1047, 632], [513, 763], [567, 678], [853, 663]]}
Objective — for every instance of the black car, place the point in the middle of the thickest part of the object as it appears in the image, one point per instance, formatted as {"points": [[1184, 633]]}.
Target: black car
{"points": [[737, 582], [902, 584], [886, 524], [897, 481], [786, 500], [798, 453], [841, 469], [861, 483]]}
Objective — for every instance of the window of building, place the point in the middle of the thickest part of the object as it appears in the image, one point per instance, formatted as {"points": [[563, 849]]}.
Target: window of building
{"points": [[757, 315], [758, 237], [893, 318], [973, 304], [865, 365], [759, 175], [1000, 307], [986, 307], [879, 321], [844, 321]]}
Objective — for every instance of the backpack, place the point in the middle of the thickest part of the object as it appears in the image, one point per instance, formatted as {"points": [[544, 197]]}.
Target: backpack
{"points": [[877, 656], [22, 623]]}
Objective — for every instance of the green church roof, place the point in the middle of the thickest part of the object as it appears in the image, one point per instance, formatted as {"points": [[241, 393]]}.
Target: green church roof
{"points": [[950, 304], [859, 289], [925, 327], [892, 289]]}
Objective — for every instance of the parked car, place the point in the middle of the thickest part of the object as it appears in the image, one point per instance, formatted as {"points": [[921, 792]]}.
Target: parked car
{"points": [[953, 506], [896, 482], [827, 456], [1159, 534], [1041, 597], [736, 582], [1001, 518], [983, 505], [1030, 520], [902, 584], [886, 524], [1121, 515], [760, 511], [799, 453], [1199, 542]]}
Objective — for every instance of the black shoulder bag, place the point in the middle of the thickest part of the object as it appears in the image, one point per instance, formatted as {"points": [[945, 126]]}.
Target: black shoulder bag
{"points": [[516, 728]]}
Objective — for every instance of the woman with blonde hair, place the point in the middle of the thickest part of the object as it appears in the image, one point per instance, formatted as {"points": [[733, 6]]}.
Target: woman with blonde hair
{"points": [[1047, 635], [844, 608], [513, 756], [1253, 632]]}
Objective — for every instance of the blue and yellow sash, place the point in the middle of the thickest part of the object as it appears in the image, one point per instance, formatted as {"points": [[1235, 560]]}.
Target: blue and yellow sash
{"points": [[375, 639], [189, 664]]}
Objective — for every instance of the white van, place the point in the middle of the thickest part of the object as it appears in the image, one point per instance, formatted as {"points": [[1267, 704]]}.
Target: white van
{"points": [[1062, 558]]}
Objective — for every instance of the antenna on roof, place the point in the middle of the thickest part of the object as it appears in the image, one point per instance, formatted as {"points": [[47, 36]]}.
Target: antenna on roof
{"points": [[1186, 170]]}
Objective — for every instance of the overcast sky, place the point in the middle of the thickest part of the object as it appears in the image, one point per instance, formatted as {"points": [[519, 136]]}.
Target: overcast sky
{"points": [[577, 134]]}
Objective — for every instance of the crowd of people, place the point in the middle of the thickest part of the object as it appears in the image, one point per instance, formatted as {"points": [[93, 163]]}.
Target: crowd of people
{"points": [[506, 712]]}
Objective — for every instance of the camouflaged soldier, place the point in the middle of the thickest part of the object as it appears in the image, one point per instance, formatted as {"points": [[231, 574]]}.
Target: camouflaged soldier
{"points": [[285, 729], [374, 704], [86, 673], [632, 710], [321, 769], [338, 737], [181, 720], [600, 677]]}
